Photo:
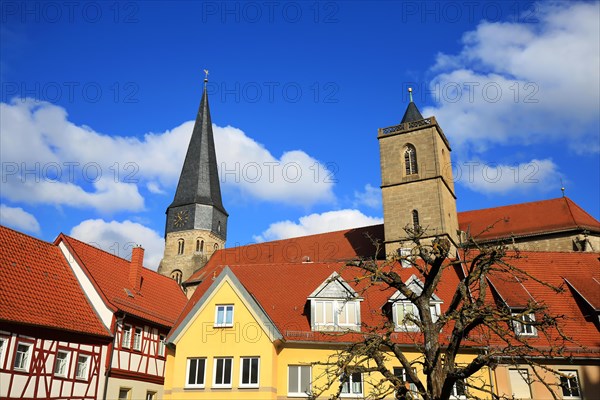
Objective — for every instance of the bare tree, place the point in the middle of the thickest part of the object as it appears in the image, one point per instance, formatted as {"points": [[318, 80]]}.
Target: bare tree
{"points": [[474, 322]]}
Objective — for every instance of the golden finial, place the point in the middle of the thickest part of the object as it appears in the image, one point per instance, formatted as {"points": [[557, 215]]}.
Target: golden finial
{"points": [[410, 94]]}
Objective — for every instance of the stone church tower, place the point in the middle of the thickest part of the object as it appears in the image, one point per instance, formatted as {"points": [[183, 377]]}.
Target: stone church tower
{"points": [[196, 221], [416, 179]]}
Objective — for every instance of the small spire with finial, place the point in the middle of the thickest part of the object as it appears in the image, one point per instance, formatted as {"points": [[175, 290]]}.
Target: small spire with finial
{"points": [[205, 77], [562, 188], [410, 94]]}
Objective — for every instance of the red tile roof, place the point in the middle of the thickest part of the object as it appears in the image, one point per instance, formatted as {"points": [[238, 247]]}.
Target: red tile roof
{"points": [[38, 288], [331, 246], [282, 290], [526, 219], [160, 299]]}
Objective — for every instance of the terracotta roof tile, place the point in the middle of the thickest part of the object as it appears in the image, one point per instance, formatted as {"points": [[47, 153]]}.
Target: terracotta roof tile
{"points": [[527, 219], [160, 300], [282, 289], [331, 246], [37, 287]]}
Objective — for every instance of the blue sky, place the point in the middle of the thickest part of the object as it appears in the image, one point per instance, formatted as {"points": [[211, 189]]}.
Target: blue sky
{"points": [[98, 100]]}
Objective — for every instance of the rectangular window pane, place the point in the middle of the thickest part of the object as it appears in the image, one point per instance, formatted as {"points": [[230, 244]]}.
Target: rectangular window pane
{"points": [[569, 383], [126, 340], [192, 376], [22, 356], [220, 317], [229, 315], [60, 364], [328, 312], [293, 377], [227, 373], [299, 379], [519, 383]]}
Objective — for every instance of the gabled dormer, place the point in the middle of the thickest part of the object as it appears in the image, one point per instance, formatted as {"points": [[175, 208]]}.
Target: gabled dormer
{"points": [[334, 306], [405, 314]]}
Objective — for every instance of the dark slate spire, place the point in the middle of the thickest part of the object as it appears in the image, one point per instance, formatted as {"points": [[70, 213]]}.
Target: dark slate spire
{"points": [[199, 179], [412, 112]]}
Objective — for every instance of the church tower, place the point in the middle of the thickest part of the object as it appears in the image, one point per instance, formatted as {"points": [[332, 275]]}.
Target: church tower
{"points": [[416, 179], [196, 221]]}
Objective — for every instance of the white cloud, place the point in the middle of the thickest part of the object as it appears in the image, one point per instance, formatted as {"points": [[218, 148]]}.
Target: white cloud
{"points": [[489, 178], [295, 177], [49, 160], [317, 223], [524, 83], [371, 197], [18, 218], [118, 238]]}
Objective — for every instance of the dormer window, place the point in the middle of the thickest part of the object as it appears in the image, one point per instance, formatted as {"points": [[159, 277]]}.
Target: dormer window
{"points": [[523, 323], [335, 306], [405, 314]]}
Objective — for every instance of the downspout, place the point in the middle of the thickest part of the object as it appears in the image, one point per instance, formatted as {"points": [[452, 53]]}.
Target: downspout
{"points": [[492, 387], [110, 357]]}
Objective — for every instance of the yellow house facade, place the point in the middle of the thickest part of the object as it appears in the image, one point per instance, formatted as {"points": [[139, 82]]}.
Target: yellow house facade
{"points": [[235, 341]]}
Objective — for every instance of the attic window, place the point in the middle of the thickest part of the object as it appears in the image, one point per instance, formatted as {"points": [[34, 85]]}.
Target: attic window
{"points": [[523, 323], [405, 314], [335, 306]]}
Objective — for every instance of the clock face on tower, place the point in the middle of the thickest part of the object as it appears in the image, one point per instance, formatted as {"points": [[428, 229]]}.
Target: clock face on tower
{"points": [[180, 218]]}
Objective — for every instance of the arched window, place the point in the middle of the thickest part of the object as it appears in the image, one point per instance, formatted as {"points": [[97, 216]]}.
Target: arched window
{"points": [[197, 245], [216, 246], [219, 227], [410, 159], [415, 219], [177, 275], [180, 246]]}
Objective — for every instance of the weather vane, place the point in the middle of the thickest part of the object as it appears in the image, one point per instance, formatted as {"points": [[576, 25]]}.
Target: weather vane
{"points": [[206, 76]]}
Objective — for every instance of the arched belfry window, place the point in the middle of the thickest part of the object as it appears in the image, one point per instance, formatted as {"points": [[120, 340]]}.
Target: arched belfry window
{"points": [[177, 275], [199, 246], [415, 219], [410, 159], [180, 246]]}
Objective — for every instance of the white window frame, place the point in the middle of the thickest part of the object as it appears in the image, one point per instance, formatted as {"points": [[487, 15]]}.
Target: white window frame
{"points": [[161, 345], [222, 375], [26, 361], [338, 306], [400, 372], [3, 350], [570, 374], [405, 253], [138, 337], [65, 363], [411, 327], [87, 364], [455, 395], [187, 373], [224, 323], [524, 323], [299, 370], [151, 395], [126, 336], [524, 375], [350, 385], [249, 384]]}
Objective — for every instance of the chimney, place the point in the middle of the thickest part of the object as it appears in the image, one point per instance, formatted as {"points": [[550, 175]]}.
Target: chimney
{"points": [[135, 272]]}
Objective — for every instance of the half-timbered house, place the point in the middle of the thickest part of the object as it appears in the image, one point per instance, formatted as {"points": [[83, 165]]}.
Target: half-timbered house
{"points": [[138, 305], [52, 343]]}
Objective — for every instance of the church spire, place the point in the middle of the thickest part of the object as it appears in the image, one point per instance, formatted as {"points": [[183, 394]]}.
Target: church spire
{"points": [[412, 113], [199, 179]]}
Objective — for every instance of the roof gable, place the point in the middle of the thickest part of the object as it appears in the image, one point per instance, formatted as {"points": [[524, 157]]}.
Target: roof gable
{"points": [[416, 286], [334, 287], [159, 299], [226, 276]]}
